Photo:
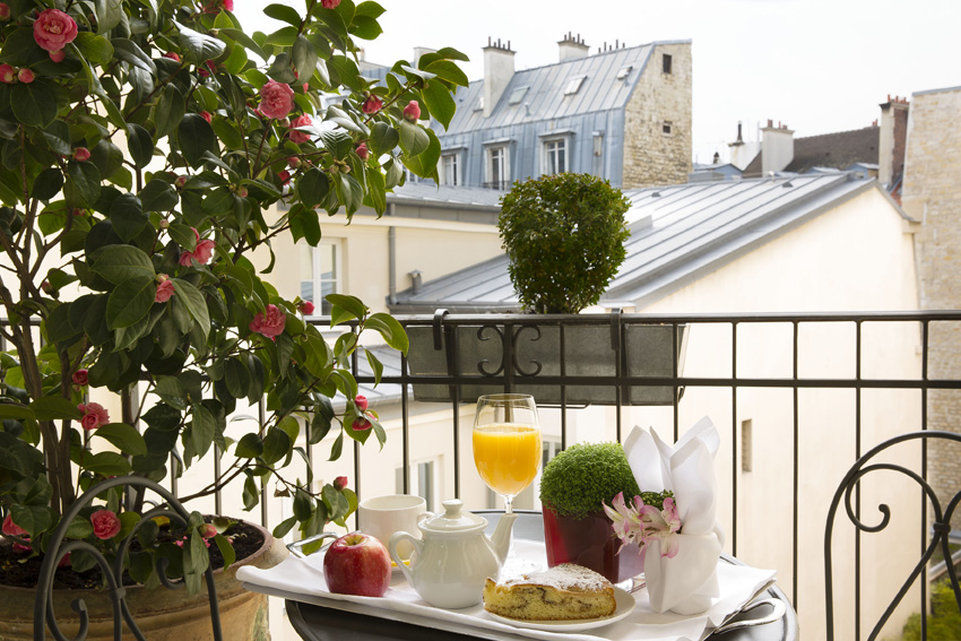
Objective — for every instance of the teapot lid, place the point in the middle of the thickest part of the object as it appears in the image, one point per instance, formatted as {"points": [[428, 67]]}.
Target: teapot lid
{"points": [[454, 519]]}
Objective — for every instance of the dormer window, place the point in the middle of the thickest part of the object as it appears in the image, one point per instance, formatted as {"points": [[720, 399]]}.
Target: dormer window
{"points": [[517, 95], [480, 104], [574, 85], [624, 72]]}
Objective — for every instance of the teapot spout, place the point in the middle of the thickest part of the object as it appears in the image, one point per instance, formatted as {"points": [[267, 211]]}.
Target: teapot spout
{"points": [[501, 540]]}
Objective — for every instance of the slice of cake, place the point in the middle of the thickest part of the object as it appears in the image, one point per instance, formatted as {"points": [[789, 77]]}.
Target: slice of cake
{"points": [[564, 592]]}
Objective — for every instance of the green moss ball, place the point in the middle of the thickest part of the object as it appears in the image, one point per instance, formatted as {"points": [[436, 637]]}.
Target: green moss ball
{"points": [[582, 477]]}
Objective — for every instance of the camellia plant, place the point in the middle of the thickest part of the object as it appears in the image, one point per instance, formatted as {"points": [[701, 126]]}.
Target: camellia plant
{"points": [[147, 149]]}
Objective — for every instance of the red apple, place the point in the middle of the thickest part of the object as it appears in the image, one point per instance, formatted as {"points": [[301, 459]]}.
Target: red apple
{"points": [[357, 563]]}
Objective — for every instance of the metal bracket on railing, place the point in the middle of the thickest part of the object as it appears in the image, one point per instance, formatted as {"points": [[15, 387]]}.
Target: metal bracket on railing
{"points": [[439, 315], [616, 317]]}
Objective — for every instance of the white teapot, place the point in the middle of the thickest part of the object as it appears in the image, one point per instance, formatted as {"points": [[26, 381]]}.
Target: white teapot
{"points": [[454, 557]]}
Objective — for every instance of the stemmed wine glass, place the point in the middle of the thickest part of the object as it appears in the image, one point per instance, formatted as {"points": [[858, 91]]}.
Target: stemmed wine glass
{"points": [[507, 443]]}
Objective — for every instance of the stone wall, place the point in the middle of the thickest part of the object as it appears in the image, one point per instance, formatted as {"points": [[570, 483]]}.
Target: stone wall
{"points": [[932, 195], [651, 156]]}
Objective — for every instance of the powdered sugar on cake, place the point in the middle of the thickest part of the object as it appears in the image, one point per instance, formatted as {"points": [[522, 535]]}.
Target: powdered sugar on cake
{"points": [[567, 576]]}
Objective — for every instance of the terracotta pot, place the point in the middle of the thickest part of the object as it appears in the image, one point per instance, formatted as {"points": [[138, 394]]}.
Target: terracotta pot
{"points": [[590, 542], [162, 614]]}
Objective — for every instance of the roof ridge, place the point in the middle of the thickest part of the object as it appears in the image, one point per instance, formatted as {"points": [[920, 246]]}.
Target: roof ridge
{"points": [[836, 133]]}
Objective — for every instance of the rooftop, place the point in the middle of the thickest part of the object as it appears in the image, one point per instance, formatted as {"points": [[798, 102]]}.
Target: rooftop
{"points": [[837, 150]]}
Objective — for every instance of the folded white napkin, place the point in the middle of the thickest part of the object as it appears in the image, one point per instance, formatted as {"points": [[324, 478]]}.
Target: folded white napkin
{"points": [[687, 582]]}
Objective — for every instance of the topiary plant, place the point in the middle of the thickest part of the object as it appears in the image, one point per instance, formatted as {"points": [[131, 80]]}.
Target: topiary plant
{"points": [[564, 235], [580, 479]]}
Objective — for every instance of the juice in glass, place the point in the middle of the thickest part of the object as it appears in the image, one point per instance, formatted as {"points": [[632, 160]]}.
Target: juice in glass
{"points": [[507, 456]]}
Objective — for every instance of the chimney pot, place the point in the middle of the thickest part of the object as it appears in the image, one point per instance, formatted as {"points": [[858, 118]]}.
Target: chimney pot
{"points": [[770, 123]]}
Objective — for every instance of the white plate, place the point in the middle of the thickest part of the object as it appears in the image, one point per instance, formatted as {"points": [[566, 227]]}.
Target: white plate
{"points": [[624, 606]]}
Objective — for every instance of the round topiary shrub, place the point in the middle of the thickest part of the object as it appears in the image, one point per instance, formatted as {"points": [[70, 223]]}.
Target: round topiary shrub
{"points": [[578, 480], [564, 236]]}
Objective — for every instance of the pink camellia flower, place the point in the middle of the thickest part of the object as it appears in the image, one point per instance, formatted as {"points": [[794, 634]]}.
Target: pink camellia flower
{"points": [[180, 182], [10, 528], [372, 104], [269, 323], [25, 76], [361, 402], [81, 154], [173, 55], [227, 4], [362, 151], [165, 288], [4, 11], [80, 377], [306, 308], [54, 29], [206, 116], [361, 424], [106, 524], [58, 56], [340, 482], [283, 176], [94, 415], [297, 136], [208, 530], [412, 111], [276, 99], [202, 253], [8, 74], [329, 4]]}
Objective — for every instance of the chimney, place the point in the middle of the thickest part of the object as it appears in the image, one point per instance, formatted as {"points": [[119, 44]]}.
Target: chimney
{"points": [[571, 47], [777, 147], [416, 280], [498, 71], [419, 51], [892, 139], [742, 153]]}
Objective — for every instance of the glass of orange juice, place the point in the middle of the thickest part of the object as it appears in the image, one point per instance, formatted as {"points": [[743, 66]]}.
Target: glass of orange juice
{"points": [[507, 443]]}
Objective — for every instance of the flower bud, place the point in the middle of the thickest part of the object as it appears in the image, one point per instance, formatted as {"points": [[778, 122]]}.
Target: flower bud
{"points": [[412, 111], [164, 223], [81, 154], [180, 182], [8, 74], [173, 55], [46, 287], [340, 482], [58, 55], [361, 402], [25, 76], [362, 151], [208, 530], [4, 11], [242, 192], [293, 161]]}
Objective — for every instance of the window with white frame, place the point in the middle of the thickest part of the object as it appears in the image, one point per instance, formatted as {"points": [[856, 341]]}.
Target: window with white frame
{"points": [[450, 168], [320, 273], [555, 156], [498, 166]]}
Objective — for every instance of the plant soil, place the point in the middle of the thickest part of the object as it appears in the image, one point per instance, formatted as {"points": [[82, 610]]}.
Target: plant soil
{"points": [[20, 569]]}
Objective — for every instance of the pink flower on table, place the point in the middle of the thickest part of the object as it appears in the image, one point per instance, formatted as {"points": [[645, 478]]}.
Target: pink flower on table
{"points": [[329, 4], [639, 523], [362, 151], [106, 524], [81, 154], [8, 74], [94, 415], [54, 29], [270, 322], [165, 289], [297, 136], [276, 99], [306, 308], [58, 56], [12, 529], [372, 104], [173, 55], [26, 76], [80, 378], [202, 253], [412, 111]]}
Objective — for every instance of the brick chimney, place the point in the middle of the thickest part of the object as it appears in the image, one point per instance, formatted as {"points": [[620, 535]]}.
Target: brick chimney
{"points": [[498, 71], [777, 147], [571, 47], [892, 139]]}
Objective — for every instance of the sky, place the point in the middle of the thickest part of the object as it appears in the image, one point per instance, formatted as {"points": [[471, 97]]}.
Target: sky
{"points": [[816, 65]]}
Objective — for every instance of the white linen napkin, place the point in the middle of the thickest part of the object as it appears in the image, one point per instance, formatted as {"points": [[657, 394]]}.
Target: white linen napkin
{"points": [[687, 582]]}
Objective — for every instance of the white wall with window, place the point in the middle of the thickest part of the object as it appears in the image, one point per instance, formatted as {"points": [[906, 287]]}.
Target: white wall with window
{"points": [[555, 155], [321, 272], [497, 172], [451, 168]]}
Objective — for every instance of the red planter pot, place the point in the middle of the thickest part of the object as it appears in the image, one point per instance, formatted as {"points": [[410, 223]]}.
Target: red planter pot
{"points": [[590, 542]]}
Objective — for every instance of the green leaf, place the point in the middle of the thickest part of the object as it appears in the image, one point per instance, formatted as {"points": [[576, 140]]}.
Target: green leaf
{"points": [[313, 188], [32, 518], [159, 195], [277, 445], [129, 51], [106, 463], [337, 448], [283, 13], [375, 365], [226, 550], [448, 71], [183, 235], [198, 47], [130, 301], [304, 57], [348, 307], [79, 528], [236, 377], [124, 437], [48, 184], [109, 14], [251, 495], [196, 136], [366, 28], [117, 263], [369, 9], [96, 49], [425, 164], [437, 97], [128, 217], [203, 429], [336, 501], [34, 103], [83, 184], [319, 426], [170, 109], [383, 138], [392, 331], [194, 301], [284, 527], [249, 446], [50, 408], [413, 138], [305, 223], [140, 144]]}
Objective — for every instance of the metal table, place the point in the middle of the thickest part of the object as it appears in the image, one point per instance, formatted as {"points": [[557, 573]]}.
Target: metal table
{"points": [[316, 623]]}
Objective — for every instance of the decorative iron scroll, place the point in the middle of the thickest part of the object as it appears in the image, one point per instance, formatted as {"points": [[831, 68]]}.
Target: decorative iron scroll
{"points": [[941, 527], [57, 548], [488, 331]]}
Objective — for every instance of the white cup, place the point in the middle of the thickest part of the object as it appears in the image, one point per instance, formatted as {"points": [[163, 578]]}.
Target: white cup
{"points": [[381, 516]]}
